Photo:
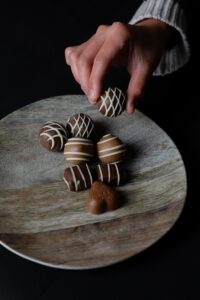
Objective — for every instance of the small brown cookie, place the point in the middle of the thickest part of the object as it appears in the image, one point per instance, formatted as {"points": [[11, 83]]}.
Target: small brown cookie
{"points": [[78, 178], [102, 198], [111, 174], [80, 125], [53, 136], [110, 149], [112, 102], [78, 150]]}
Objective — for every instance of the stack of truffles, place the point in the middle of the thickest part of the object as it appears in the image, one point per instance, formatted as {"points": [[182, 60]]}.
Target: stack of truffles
{"points": [[76, 141]]}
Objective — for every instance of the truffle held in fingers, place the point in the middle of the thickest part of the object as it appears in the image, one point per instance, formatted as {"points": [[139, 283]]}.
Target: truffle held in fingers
{"points": [[112, 102]]}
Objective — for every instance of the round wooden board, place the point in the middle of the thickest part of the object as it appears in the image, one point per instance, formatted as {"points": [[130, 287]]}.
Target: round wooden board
{"points": [[42, 221]]}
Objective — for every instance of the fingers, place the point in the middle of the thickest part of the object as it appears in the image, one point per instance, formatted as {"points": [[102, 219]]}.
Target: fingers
{"points": [[86, 60], [80, 58], [136, 87], [90, 61], [71, 56], [110, 53]]}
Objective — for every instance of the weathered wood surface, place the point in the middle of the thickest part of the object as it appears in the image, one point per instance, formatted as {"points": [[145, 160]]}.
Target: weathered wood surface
{"points": [[40, 220]]}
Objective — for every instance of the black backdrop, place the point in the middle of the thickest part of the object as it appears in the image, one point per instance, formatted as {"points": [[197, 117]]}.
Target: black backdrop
{"points": [[33, 37]]}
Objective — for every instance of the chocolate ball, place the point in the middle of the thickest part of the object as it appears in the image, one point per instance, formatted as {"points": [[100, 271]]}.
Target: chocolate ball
{"points": [[53, 136], [78, 150], [112, 102], [110, 149], [111, 174], [78, 178], [80, 125]]}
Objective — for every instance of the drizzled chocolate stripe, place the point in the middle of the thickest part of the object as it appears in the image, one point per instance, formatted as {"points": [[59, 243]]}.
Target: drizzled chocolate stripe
{"points": [[110, 149], [78, 178], [109, 173], [78, 150]]}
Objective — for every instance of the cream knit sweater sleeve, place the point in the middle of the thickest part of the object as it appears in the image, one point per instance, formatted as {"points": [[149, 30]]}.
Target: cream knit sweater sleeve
{"points": [[171, 12]]}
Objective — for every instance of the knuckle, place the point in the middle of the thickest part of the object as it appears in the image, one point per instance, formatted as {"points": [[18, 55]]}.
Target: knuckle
{"points": [[68, 50], [73, 56], [67, 53], [118, 26], [122, 29], [83, 60]]}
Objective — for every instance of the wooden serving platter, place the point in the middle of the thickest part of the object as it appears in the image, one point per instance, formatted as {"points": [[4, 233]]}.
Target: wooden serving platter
{"points": [[42, 221]]}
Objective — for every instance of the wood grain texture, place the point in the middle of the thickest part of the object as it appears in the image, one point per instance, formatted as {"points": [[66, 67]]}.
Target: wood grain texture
{"points": [[40, 220]]}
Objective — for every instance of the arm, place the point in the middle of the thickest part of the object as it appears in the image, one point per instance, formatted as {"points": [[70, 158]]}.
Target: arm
{"points": [[172, 13], [140, 46]]}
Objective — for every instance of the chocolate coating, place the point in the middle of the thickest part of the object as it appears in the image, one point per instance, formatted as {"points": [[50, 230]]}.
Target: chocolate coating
{"points": [[110, 149], [102, 198], [112, 102], [78, 150], [78, 178], [111, 174], [53, 136], [80, 125]]}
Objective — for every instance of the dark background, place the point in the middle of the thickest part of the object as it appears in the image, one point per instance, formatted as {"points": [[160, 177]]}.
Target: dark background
{"points": [[33, 37]]}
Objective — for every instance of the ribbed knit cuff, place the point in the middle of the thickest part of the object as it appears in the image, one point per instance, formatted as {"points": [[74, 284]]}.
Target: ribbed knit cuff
{"points": [[171, 13]]}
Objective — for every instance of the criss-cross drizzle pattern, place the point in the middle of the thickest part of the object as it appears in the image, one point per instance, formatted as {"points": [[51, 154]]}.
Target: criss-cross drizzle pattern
{"points": [[112, 102], [81, 125]]}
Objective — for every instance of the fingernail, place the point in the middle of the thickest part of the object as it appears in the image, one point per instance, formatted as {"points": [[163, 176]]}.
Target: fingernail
{"points": [[93, 96], [130, 108]]}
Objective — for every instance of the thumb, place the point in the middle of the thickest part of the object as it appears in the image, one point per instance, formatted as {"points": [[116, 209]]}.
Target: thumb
{"points": [[136, 87]]}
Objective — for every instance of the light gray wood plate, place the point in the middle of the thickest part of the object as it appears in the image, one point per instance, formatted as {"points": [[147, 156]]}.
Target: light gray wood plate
{"points": [[41, 221]]}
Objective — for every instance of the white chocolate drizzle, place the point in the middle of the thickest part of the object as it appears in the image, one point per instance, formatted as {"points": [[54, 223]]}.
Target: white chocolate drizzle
{"points": [[60, 133], [112, 148], [78, 153], [108, 166], [111, 95], [74, 179], [110, 175], [118, 174], [78, 179], [106, 140], [77, 158], [83, 177], [82, 123], [112, 153], [100, 172], [67, 183], [90, 175]]}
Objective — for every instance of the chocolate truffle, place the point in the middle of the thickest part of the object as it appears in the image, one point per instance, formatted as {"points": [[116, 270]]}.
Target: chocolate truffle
{"points": [[78, 150], [78, 178], [53, 136], [80, 125], [112, 102], [110, 149], [102, 198], [111, 174]]}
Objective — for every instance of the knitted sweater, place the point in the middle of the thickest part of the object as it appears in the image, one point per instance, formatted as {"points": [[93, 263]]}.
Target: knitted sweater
{"points": [[171, 12]]}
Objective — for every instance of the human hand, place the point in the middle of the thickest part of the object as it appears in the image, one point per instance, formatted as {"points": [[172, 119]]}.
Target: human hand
{"points": [[137, 47]]}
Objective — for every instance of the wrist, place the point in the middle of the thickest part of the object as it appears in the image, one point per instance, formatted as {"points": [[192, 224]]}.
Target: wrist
{"points": [[157, 28]]}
